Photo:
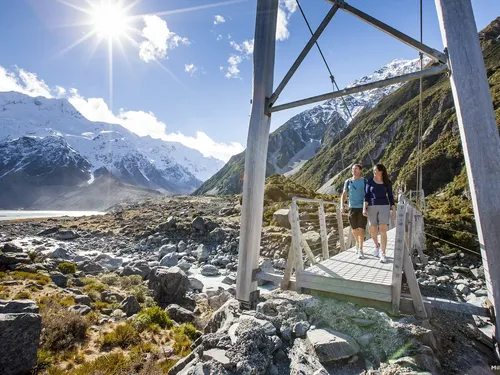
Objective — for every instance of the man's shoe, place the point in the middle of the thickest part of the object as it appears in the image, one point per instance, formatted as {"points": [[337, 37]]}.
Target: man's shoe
{"points": [[361, 255]]}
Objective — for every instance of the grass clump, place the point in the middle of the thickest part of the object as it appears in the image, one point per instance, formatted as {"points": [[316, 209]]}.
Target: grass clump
{"points": [[22, 295], [140, 292], [129, 281], [3, 276], [67, 268], [151, 317], [110, 279], [38, 277], [122, 336], [45, 359], [189, 330], [109, 364], [56, 300], [95, 287], [62, 329]]}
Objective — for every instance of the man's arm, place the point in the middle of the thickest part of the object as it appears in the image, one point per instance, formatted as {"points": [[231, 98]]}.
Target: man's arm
{"points": [[342, 200]]}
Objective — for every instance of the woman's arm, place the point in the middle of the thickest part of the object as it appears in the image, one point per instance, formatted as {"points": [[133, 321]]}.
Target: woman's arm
{"points": [[390, 195], [367, 197]]}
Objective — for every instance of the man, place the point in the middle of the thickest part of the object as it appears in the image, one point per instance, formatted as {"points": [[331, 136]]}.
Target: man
{"points": [[355, 188]]}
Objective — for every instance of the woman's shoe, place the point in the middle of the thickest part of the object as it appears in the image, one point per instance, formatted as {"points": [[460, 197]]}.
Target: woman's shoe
{"points": [[376, 251], [383, 258]]}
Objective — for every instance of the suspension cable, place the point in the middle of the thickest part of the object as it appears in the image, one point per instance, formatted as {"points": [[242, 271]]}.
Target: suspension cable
{"points": [[453, 244], [332, 78], [420, 111]]}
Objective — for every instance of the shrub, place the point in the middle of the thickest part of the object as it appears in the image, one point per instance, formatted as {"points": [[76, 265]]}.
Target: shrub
{"points": [[96, 286], [22, 295], [189, 330], [3, 276], [140, 292], [32, 255], [182, 344], [67, 268], [110, 279], [56, 300], [109, 364], [148, 318], [122, 336], [54, 370], [62, 329], [45, 359], [128, 281], [137, 351], [93, 318]]}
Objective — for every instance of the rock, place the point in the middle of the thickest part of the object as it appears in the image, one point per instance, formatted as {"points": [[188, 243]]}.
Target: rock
{"points": [[180, 314], [169, 224], [211, 226], [19, 338], [166, 249], [168, 285], [198, 224], [80, 309], [8, 259], [18, 306], [195, 284], [202, 252], [218, 235], [9, 247], [229, 280], [463, 289], [219, 299], [111, 297], [463, 270], [90, 267], [62, 253], [185, 266], [59, 279], [130, 305], [48, 231], [129, 271], [331, 345], [448, 257], [304, 361], [226, 211], [83, 300], [118, 314], [81, 258], [443, 279], [365, 340], [108, 261], [181, 246], [209, 270], [169, 260], [143, 266], [300, 329], [434, 270], [280, 217], [313, 238], [66, 235], [363, 322], [481, 293]]}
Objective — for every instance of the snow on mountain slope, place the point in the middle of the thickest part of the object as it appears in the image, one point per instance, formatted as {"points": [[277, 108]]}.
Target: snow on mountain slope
{"points": [[142, 161]]}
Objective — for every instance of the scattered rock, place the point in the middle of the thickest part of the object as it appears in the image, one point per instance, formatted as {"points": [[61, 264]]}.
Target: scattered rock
{"points": [[202, 252], [166, 249], [280, 217], [209, 270], [331, 345], [8, 259], [304, 361], [48, 231], [18, 306], [169, 260], [90, 267], [130, 305], [195, 284], [65, 235], [300, 329], [180, 314], [83, 300], [198, 223], [59, 279], [229, 280], [434, 270], [62, 253], [80, 309], [168, 285], [11, 248], [463, 289]]}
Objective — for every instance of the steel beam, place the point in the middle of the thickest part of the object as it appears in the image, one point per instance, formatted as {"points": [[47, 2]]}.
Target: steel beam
{"points": [[426, 50], [303, 54], [369, 86]]}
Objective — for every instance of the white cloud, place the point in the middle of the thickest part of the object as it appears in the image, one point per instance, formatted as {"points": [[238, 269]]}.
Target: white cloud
{"points": [[219, 37], [96, 109], [218, 19], [246, 50], [159, 39], [190, 68], [246, 47], [285, 11]]}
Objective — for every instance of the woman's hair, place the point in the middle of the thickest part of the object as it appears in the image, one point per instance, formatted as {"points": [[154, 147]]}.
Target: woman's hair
{"points": [[385, 175]]}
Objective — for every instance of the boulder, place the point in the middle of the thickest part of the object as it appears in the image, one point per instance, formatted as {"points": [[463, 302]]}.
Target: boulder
{"points": [[195, 284], [62, 253], [83, 300], [180, 314], [198, 224], [169, 260], [184, 265], [59, 279], [18, 306], [434, 270], [181, 246], [111, 297], [19, 338], [217, 235], [229, 280], [300, 329], [202, 252], [280, 217], [90, 267], [8, 259], [108, 261], [219, 299], [209, 270], [130, 305], [143, 266], [168, 285], [129, 271], [313, 238], [80, 309], [9, 247], [65, 235], [166, 249], [48, 231], [463, 289], [331, 345]]}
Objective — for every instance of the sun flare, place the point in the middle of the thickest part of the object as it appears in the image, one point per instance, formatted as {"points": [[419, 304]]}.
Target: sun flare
{"points": [[109, 19]]}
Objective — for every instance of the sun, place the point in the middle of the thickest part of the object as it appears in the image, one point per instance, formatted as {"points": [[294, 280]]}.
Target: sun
{"points": [[109, 19]]}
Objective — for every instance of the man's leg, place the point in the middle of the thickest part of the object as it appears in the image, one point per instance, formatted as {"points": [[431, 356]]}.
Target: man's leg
{"points": [[361, 236]]}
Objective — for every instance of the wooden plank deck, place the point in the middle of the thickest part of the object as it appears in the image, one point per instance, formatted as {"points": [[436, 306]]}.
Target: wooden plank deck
{"points": [[345, 274]]}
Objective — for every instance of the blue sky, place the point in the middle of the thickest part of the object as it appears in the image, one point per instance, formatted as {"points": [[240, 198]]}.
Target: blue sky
{"points": [[188, 76]]}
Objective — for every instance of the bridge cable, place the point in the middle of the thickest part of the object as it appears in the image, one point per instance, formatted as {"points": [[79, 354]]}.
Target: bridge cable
{"points": [[332, 78], [453, 244], [420, 112]]}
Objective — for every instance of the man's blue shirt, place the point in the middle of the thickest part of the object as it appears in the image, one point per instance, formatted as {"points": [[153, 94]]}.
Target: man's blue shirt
{"points": [[356, 190]]}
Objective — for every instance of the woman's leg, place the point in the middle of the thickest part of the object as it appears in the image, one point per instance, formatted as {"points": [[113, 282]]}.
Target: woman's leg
{"points": [[383, 237], [373, 233]]}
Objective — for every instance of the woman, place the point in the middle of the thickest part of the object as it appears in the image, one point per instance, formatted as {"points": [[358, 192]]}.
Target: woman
{"points": [[379, 200]]}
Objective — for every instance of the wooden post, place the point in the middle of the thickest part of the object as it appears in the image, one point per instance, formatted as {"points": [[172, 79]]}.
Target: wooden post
{"points": [[340, 225], [291, 259], [256, 153], [296, 235], [322, 227], [416, 296], [397, 270], [478, 132]]}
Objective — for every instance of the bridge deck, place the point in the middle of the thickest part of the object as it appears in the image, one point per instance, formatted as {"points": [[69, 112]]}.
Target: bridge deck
{"points": [[345, 274]]}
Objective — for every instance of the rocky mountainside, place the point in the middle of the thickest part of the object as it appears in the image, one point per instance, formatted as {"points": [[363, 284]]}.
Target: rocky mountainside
{"points": [[388, 133], [168, 167], [301, 137]]}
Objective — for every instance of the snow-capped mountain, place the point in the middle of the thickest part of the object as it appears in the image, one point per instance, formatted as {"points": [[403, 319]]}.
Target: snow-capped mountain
{"points": [[169, 167], [300, 138]]}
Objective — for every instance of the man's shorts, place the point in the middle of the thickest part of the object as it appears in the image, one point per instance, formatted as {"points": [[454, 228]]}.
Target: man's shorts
{"points": [[356, 218], [378, 215]]}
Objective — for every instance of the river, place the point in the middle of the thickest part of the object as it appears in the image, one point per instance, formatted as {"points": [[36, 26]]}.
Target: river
{"points": [[22, 214]]}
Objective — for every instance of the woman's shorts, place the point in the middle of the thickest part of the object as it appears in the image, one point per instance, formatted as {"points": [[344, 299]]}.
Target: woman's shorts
{"points": [[356, 218], [378, 215]]}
